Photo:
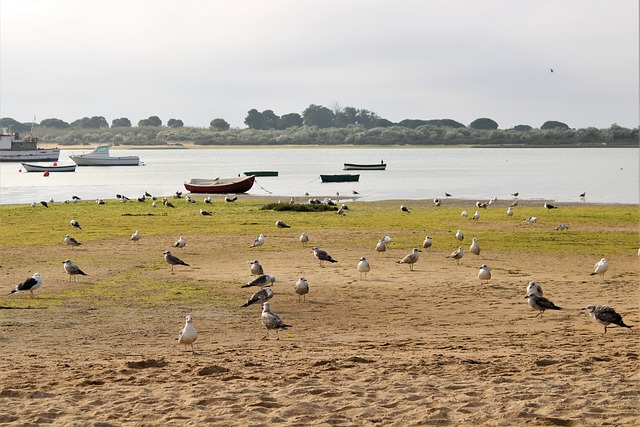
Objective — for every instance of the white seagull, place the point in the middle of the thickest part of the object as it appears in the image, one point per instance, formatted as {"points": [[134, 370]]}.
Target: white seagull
{"points": [[322, 255], [475, 216], [180, 243], [457, 254], [381, 246], [411, 258], [605, 315], [464, 214], [75, 224], [534, 289], [541, 303], [459, 235], [475, 247], [301, 288], [363, 267], [271, 320], [71, 241], [509, 211], [188, 335], [484, 274], [531, 220], [260, 296], [428, 241], [304, 238], [258, 242], [31, 284], [136, 236], [207, 200], [600, 268], [72, 269], [256, 268]]}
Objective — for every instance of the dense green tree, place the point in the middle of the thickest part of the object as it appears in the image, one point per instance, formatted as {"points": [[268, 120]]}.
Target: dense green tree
{"points": [[445, 123], [14, 125], [270, 119], [175, 123], [319, 116], [254, 120], [151, 121], [219, 124], [551, 124], [522, 128], [95, 122], [382, 123], [483, 124], [54, 124], [290, 120], [412, 123], [122, 122]]}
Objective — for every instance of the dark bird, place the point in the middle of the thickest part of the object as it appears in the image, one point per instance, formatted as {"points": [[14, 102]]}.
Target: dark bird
{"points": [[322, 255], [76, 198], [515, 194], [260, 296], [207, 200], [72, 269], [262, 281], [75, 224], [437, 202], [205, 213], [142, 198], [481, 205], [230, 199], [403, 208], [447, 194], [541, 303], [173, 260], [605, 315], [177, 195], [146, 193], [549, 206], [354, 192], [167, 203], [31, 284], [190, 200], [583, 194], [281, 224], [551, 70], [43, 203]]}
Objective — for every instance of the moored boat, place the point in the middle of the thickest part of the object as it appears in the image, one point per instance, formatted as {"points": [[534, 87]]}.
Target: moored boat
{"points": [[14, 149], [45, 168], [370, 167], [101, 157], [261, 173], [340, 178], [220, 185]]}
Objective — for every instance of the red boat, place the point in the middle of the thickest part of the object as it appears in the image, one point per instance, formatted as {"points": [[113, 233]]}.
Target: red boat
{"points": [[220, 185]]}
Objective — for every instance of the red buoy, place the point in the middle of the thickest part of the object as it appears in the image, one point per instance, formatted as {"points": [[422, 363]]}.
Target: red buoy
{"points": [[46, 173], [55, 163]]}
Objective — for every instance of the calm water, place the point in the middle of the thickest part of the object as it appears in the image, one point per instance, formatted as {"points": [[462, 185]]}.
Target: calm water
{"points": [[607, 175]]}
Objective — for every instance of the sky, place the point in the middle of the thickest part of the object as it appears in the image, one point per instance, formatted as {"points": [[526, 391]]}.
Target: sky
{"points": [[197, 60]]}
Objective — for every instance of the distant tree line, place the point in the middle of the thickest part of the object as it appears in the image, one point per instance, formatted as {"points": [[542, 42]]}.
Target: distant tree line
{"points": [[319, 125]]}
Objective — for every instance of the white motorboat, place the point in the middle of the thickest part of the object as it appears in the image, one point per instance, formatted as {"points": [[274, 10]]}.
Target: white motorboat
{"points": [[101, 157]]}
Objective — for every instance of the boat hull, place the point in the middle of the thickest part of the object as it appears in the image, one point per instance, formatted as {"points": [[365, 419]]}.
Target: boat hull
{"points": [[261, 173], [43, 168], [371, 167], [216, 186], [340, 178], [81, 160], [30, 155]]}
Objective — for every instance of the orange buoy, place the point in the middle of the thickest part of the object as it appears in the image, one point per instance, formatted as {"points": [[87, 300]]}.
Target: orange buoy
{"points": [[46, 173]]}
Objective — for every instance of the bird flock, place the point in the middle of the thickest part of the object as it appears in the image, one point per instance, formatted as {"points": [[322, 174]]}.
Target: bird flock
{"points": [[271, 321]]}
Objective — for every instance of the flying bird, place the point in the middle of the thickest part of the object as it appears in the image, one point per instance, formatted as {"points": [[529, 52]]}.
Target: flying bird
{"points": [[475, 247], [363, 267], [457, 254], [173, 260], [605, 315], [600, 268], [71, 241], [31, 284], [281, 224], [262, 281], [515, 194], [541, 303], [72, 269], [271, 320], [258, 242], [484, 274], [75, 224], [180, 243], [260, 296], [411, 258], [322, 255], [301, 288], [188, 335]]}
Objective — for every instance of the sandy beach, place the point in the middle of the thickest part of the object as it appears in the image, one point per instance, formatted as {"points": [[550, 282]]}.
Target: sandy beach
{"points": [[425, 347]]}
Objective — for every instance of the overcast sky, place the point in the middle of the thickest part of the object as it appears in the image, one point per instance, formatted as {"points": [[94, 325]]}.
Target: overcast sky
{"points": [[196, 60]]}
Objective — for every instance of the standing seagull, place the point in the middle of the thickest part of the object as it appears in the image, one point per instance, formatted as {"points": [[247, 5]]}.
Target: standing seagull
{"points": [[457, 254], [541, 303], [459, 235], [510, 211], [549, 206], [281, 224], [180, 243], [256, 268], [403, 208], [188, 335], [173, 260], [600, 268], [304, 238], [75, 224], [484, 274], [475, 216], [72, 269], [427, 242], [262, 280], [475, 247], [411, 258], [136, 236], [71, 241], [271, 320], [301, 288], [31, 284], [258, 242], [322, 255], [464, 214], [534, 288], [381, 246], [260, 296], [605, 315], [363, 267]]}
